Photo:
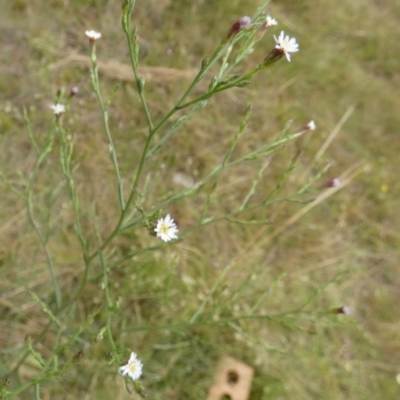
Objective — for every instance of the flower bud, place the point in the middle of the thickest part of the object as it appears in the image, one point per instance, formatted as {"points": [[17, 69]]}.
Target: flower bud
{"points": [[342, 310], [335, 182], [74, 91], [237, 27]]}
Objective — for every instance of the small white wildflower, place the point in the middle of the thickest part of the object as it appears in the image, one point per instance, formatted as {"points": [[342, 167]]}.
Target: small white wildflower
{"points": [[133, 368], [270, 21], [58, 108], [166, 229], [93, 35], [286, 45], [311, 125]]}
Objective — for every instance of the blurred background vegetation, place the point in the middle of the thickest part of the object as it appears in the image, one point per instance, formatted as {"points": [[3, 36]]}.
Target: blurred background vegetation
{"points": [[343, 252]]}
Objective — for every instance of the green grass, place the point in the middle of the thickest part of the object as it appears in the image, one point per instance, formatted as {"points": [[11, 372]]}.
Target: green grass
{"points": [[343, 251]]}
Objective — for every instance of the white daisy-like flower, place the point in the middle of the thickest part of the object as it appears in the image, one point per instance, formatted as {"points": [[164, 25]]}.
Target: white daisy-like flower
{"points": [[58, 108], [286, 45], [270, 21], [133, 368], [311, 125], [93, 35], [166, 229]]}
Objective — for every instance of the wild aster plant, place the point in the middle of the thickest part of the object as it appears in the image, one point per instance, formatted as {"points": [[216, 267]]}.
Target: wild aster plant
{"points": [[223, 63]]}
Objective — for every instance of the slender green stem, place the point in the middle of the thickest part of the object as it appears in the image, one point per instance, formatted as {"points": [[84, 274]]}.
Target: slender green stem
{"points": [[31, 215], [65, 158], [207, 64], [101, 247], [236, 82], [201, 225], [104, 114], [37, 392], [202, 306], [109, 304], [260, 152], [252, 190]]}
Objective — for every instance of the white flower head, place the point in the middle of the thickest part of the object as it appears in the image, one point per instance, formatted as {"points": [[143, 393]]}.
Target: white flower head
{"points": [[133, 368], [311, 125], [166, 229], [270, 21], [93, 35], [58, 109], [286, 45]]}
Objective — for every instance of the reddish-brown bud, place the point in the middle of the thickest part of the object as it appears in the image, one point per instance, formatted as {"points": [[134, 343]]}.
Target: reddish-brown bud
{"points": [[237, 27]]}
